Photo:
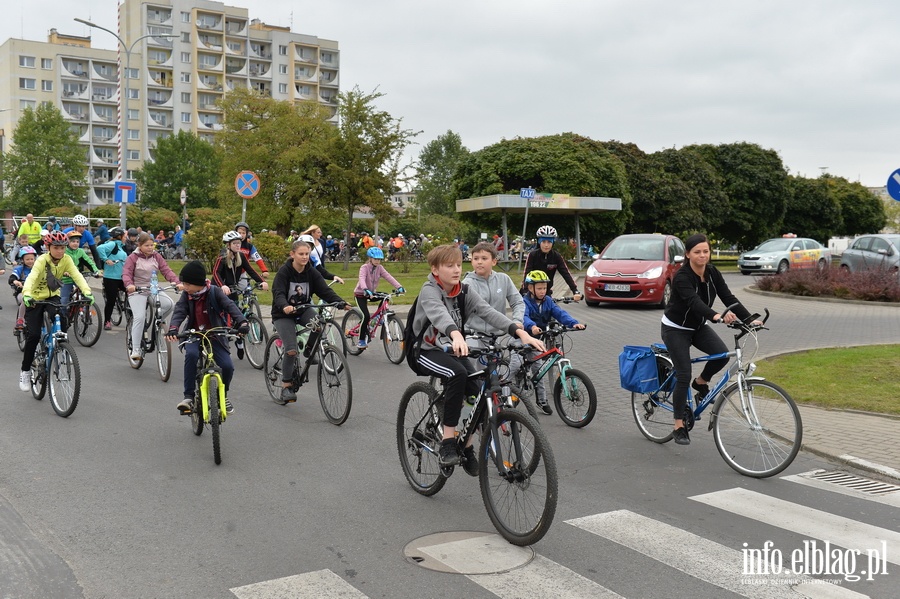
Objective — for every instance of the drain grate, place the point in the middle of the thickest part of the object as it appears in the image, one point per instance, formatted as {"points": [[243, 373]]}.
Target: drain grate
{"points": [[863, 485]]}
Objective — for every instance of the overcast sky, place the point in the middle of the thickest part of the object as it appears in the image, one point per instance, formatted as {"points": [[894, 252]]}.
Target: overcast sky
{"points": [[816, 80]]}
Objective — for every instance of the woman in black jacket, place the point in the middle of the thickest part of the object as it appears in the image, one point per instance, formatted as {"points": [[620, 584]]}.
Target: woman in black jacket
{"points": [[694, 289]]}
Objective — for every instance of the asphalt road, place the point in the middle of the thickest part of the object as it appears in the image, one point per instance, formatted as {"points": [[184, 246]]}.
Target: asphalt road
{"points": [[121, 500]]}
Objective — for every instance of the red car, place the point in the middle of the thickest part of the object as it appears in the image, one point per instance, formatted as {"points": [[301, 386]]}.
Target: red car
{"points": [[635, 268]]}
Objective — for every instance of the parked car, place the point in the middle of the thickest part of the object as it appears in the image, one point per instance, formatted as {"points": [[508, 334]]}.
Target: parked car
{"points": [[777, 255], [635, 268], [871, 252]]}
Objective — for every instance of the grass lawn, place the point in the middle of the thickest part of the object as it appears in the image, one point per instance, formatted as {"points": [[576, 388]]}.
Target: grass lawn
{"points": [[858, 378]]}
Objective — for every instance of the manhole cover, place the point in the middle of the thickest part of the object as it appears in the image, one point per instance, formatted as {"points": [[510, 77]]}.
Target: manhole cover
{"points": [[467, 552]]}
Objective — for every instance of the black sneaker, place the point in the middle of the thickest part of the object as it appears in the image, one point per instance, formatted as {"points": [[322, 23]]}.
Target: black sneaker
{"points": [[545, 407], [470, 462], [287, 396], [229, 408], [186, 405], [448, 453], [702, 390], [240, 349], [680, 436]]}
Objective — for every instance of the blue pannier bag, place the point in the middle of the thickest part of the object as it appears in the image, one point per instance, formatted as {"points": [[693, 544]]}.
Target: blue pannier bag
{"points": [[637, 369]]}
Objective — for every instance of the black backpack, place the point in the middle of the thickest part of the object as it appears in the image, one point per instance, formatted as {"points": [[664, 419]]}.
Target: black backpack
{"points": [[413, 341]]}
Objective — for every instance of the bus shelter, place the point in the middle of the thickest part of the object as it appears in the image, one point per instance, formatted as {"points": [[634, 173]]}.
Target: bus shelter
{"points": [[540, 204]]}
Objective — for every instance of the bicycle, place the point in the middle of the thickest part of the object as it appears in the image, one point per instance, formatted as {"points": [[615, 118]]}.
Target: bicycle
{"points": [[256, 339], [520, 496], [573, 391], [154, 336], [756, 425], [209, 391], [333, 376], [384, 317], [333, 332], [85, 322], [56, 365], [120, 307]]}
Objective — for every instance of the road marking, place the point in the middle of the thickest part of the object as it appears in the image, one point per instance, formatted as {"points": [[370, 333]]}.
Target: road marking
{"points": [[805, 478], [321, 584], [816, 524]]}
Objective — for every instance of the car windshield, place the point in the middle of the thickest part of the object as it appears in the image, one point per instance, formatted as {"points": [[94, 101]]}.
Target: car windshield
{"points": [[775, 245], [630, 248]]}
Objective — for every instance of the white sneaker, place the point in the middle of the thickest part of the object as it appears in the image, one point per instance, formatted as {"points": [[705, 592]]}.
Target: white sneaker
{"points": [[25, 381]]}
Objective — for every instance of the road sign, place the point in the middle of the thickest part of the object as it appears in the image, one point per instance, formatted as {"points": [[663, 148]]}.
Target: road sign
{"points": [[183, 196], [247, 184], [125, 192], [893, 185], [526, 193]]}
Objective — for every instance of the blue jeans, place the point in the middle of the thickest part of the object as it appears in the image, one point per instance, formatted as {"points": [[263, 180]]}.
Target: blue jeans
{"points": [[192, 354]]}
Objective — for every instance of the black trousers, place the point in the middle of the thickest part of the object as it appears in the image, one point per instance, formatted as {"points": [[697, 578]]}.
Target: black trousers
{"points": [[457, 384], [679, 342]]}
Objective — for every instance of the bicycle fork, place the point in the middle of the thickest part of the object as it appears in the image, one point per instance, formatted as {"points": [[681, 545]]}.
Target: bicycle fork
{"points": [[204, 394]]}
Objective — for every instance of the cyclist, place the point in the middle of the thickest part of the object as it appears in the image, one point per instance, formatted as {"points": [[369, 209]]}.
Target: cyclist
{"points": [[316, 262], [102, 232], [80, 223], [81, 260], [540, 309], [43, 283], [370, 273], [139, 268], [204, 306], [113, 255], [249, 250], [440, 312], [27, 256], [694, 289], [130, 242], [30, 228], [549, 261], [318, 250], [295, 284], [230, 264]]}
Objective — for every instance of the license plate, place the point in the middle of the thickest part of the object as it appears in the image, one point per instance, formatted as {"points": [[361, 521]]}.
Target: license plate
{"points": [[749, 263], [616, 287]]}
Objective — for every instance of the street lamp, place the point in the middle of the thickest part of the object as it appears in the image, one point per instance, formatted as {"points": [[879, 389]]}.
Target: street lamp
{"points": [[123, 104]]}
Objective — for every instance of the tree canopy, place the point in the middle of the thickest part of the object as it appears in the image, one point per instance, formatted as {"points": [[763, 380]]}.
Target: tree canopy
{"points": [[436, 166], [181, 161]]}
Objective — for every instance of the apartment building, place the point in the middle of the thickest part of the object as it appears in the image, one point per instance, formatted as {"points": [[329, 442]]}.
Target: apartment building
{"points": [[187, 54]]}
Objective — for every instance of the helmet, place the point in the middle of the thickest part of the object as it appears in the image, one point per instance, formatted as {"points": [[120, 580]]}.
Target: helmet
{"points": [[57, 238], [308, 239], [116, 232], [546, 231], [132, 232], [328, 237], [99, 221], [230, 236], [400, 235], [171, 232], [26, 250], [537, 276], [242, 224], [44, 233], [375, 253], [73, 234], [80, 220]]}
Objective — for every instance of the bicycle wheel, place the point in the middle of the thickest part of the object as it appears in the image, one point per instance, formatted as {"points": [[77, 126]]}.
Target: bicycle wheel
{"points": [[272, 366], [129, 343], [255, 342], [392, 338], [335, 386], [254, 308], [576, 404], [764, 441], [517, 472], [118, 309], [419, 433], [197, 414], [521, 398], [653, 412], [21, 338], [335, 337], [212, 389], [86, 325], [64, 379], [39, 373], [163, 352], [352, 320]]}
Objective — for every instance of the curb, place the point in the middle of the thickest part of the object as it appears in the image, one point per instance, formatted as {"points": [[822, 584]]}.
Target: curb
{"points": [[833, 300]]}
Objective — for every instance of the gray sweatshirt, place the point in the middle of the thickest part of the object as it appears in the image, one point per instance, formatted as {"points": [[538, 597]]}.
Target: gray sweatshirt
{"points": [[497, 290]]}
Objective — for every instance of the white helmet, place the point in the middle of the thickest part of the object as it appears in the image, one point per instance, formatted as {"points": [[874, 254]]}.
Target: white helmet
{"points": [[308, 239], [230, 236], [546, 231], [80, 220]]}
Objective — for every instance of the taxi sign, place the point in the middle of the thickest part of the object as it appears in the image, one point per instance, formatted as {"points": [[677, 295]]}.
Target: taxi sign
{"points": [[246, 184]]}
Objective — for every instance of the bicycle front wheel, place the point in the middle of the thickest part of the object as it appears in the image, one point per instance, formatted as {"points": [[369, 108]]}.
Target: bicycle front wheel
{"points": [[335, 386], [576, 401], [87, 325], [352, 320], [254, 307], [118, 309], [763, 440], [39, 373], [255, 342], [64, 380], [272, 366], [213, 391], [335, 337], [392, 338], [419, 433], [517, 472], [163, 352]]}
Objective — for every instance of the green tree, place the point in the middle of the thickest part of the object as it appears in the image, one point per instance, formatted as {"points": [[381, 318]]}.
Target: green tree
{"points": [[811, 210], [862, 211], [180, 161], [437, 163], [45, 165], [892, 212]]}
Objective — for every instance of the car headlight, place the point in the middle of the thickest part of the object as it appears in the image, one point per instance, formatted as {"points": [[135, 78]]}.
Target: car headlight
{"points": [[592, 272], [767, 259], [653, 273]]}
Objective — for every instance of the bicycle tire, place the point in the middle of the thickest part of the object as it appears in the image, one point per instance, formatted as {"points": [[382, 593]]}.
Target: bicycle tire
{"points": [[392, 338], [335, 385], [766, 448], [87, 325], [350, 325], [654, 412], [272, 367], [118, 310], [197, 414], [572, 407], [163, 352], [39, 373], [255, 308], [129, 342], [521, 399], [213, 395], [419, 436], [521, 502], [21, 338], [255, 342], [64, 380], [335, 337]]}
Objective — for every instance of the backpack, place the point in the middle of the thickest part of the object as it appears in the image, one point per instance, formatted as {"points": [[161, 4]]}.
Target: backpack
{"points": [[413, 341]]}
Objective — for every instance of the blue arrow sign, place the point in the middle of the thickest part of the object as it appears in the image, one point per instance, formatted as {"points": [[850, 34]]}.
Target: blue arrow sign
{"points": [[893, 185]]}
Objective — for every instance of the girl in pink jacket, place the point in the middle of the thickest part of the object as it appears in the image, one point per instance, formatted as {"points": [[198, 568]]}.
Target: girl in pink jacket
{"points": [[370, 273]]}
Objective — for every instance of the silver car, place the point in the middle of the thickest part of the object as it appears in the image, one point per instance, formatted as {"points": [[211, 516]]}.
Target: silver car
{"points": [[779, 254], [872, 252]]}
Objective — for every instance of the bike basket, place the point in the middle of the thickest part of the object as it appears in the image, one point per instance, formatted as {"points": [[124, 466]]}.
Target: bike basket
{"points": [[637, 369]]}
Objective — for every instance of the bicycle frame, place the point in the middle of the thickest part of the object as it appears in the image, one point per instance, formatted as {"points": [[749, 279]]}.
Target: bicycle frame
{"points": [[207, 368]]}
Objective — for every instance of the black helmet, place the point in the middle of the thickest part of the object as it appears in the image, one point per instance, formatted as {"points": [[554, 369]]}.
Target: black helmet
{"points": [[132, 232], [242, 224], [116, 232]]}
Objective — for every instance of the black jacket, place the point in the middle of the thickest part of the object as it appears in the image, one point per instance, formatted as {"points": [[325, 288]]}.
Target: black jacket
{"points": [[291, 288], [218, 306], [692, 299], [550, 263]]}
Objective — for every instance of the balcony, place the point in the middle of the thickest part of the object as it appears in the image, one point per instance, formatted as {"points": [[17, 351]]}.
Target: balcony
{"points": [[234, 84], [159, 80], [328, 78], [104, 156], [211, 124], [103, 94], [71, 92], [104, 114], [210, 42], [104, 140], [105, 72], [329, 59], [161, 119], [209, 22], [159, 58], [160, 98], [258, 69], [161, 42], [74, 69], [235, 49], [77, 112], [209, 62], [235, 66], [305, 92], [209, 83], [235, 27], [328, 97], [257, 51], [161, 17], [305, 73]]}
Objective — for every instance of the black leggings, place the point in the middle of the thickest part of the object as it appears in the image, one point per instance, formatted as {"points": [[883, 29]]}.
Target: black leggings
{"points": [[457, 383], [679, 342], [111, 288], [362, 303]]}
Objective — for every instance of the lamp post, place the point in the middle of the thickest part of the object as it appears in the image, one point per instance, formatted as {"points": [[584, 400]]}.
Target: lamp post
{"points": [[123, 103]]}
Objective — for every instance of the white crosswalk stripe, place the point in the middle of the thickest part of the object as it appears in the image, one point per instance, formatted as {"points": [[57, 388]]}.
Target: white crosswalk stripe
{"points": [[321, 584], [806, 478]]}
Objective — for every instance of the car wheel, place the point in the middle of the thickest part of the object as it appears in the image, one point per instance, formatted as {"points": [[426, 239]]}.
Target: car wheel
{"points": [[845, 268], [822, 265], [666, 296], [783, 266]]}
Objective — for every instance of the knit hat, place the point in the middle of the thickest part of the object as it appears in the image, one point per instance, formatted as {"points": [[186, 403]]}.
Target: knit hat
{"points": [[194, 273], [693, 241]]}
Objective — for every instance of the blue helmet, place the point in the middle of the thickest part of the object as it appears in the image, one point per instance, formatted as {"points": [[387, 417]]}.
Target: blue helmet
{"points": [[375, 253]]}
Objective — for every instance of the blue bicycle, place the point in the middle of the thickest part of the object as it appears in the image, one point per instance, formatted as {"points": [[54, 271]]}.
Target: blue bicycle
{"points": [[56, 365]]}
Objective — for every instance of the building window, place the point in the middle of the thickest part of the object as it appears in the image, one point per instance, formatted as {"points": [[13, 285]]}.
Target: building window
{"points": [[185, 97], [186, 57], [23, 104], [25, 83], [134, 155], [46, 86], [133, 94], [26, 61], [131, 73], [185, 117], [134, 134], [326, 56], [185, 17], [186, 37], [282, 88], [282, 50], [133, 114], [282, 68], [47, 63], [185, 77]]}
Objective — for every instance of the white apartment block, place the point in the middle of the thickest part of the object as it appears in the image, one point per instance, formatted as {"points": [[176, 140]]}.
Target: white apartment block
{"points": [[187, 54]]}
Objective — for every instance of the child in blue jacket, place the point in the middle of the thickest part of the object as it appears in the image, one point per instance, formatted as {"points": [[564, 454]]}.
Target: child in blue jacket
{"points": [[27, 256]]}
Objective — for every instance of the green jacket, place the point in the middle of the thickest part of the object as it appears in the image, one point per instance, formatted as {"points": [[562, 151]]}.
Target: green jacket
{"points": [[79, 258]]}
